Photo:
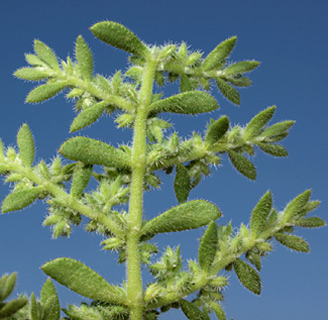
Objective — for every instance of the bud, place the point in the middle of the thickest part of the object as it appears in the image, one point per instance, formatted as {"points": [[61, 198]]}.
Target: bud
{"points": [[113, 243]]}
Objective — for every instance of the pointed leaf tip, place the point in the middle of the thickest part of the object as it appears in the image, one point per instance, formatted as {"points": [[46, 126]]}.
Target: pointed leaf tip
{"points": [[208, 246], [45, 92], [84, 58]]}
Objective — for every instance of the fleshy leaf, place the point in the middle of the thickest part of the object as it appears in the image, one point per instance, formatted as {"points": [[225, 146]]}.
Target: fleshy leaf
{"points": [[247, 276], [185, 84], [50, 301], [119, 36], [256, 124], [189, 215], [26, 145], [46, 54], [190, 310], [296, 205], [83, 280], [84, 58], [219, 312], [88, 116], [81, 177], [277, 128], [260, 214], [228, 91], [91, 151], [216, 130], [292, 242], [208, 246], [242, 164], [12, 307], [312, 222], [8, 287], [45, 91], [241, 67], [182, 183], [32, 74], [35, 308], [20, 199], [217, 57], [273, 149], [190, 102]]}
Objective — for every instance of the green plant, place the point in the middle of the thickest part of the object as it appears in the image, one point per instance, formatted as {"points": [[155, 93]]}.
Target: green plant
{"points": [[129, 171]]}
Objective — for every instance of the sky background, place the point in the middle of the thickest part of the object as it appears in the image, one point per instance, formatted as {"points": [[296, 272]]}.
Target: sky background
{"points": [[289, 37]]}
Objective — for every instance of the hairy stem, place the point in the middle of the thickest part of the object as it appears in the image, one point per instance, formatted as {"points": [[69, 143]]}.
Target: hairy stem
{"points": [[135, 291]]}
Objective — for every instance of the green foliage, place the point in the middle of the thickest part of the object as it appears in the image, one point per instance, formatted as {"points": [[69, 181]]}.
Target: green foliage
{"points": [[189, 215], [208, 247], [7, 285], [186, 103], [84, 58], [45, 92], [91, 151], [127, 171], [20, 199], [247, 276], [83, 280], [119, 36], [25, 144]]}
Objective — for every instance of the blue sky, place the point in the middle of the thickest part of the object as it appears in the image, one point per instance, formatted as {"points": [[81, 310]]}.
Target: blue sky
{"points": [[288, 37]]}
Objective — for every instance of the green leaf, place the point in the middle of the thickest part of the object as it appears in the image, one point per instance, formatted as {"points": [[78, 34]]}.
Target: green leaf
{"points": [[81, 177], [182, 183], [45, 91], [249, 278], [91, 151], [228, 91], [277, 129], [25, 144], [12, 307], [9, 286], [84, 58], [241, 67], [50, 301], [292, 242], [208, 246], [242, 164], [46, 54], [35, 307], [190, 102], [260, 214], [33, 60], [32, 74], [219, 312], [185, 84], [88, 116], [120, 37], [190, 310], [216, 130], [189, 215], [312, 222], [256, 124], [83, 280], [217, 57], [20, 199], [296, 205], [273, 149], [240, 82]]}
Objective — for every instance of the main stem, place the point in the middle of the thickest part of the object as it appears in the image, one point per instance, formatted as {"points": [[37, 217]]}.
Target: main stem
{"points": [[134, 285]]}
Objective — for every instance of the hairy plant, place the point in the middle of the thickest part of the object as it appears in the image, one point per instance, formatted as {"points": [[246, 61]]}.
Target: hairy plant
{"points": [[128, 171]]}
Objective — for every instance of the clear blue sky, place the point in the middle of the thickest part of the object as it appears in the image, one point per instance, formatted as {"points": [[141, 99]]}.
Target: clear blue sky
{"points": [[289, 37]]}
